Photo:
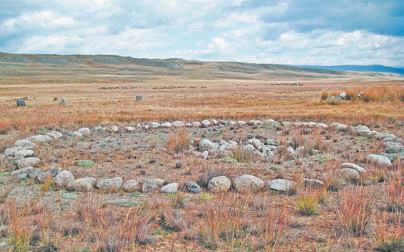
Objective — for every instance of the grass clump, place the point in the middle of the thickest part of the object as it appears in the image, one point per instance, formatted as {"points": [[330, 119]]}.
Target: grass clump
{"points": [[178, 141], [391, 245], [308, 204]]}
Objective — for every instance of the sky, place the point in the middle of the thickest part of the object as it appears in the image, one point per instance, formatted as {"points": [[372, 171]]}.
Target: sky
{"points": [[300, 32]]}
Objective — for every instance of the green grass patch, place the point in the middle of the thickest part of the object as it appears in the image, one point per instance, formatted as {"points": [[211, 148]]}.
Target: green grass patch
{"points": [[85, 163], [206, 196]]}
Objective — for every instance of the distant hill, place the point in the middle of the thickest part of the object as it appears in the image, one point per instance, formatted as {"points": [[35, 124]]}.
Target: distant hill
{"points": [[48, 68], [359, 68]]}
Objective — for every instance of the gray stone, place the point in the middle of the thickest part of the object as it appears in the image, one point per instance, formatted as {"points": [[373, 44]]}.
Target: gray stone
{"points": [[206, 123], [256, 143], [361, 130], [272, 142], [208, 145], [129, 129], [358, 168], [178, 124], [25, 143], [241, 123], [112, 184], [63, 179], [166, 125], [132, 185], [84, 131], [154, 125], [114, 129], [282, 185], [219, 184], [196, 124], [82, 184], [379, 160], [191, 187], [40, 138], [205, 155], [248, 183], [54, 171], [55, 134], [170, 188], [272, 123], [63, 101], [152, 185], [267, 153], [10, 152], [23, 153], [29, 161], [25, 170]]}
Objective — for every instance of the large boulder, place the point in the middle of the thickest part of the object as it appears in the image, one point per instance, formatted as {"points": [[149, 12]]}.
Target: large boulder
{"points": [[348, 173], [248, 183], [112, 184], [219, 184], [150, 185], [208, 145], [379, 160], [23, 153], [206, 123], [178, 124], [132, 185], [282, 185], [63, 179], [84, 131]]}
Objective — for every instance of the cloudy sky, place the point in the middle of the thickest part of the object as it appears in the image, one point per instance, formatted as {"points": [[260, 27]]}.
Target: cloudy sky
{"points": [[317, 32]]}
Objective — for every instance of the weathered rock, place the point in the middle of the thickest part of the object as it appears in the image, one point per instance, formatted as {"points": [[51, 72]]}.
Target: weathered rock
{"points": [[154, 125], [55, 134], [130, 129], [206, 144], [379, 160], [54, 171], [25, 143], [282, 185], [206, 123], [25, 170], [63, 179], [241, 123], [191, 187], [10, 152], [196, 124], [40, 138], [219, 184], [112, 184], [271, 123], [152, 185], [114, 129], [170, 188], [273, 142], [361, 130], [131, 185], [314, 183], [84, 131], [178, 124], [166, 125], [248, 183], [82, 184], [267, 153], [348, 173], [29, 161], [256, 143], [23, 153], [358, 168]]}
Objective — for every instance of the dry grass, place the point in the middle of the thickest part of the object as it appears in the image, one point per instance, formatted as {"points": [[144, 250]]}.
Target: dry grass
{"points": [[179, 140]]}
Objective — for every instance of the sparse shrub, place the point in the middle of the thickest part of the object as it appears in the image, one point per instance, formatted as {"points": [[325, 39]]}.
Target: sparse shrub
{"points": [[172, 220], [324, 95], [242, 155], [394, 192], [19, 232], [308, 204], [178, 141], [47, 186], [355, 210], [391, 245]]}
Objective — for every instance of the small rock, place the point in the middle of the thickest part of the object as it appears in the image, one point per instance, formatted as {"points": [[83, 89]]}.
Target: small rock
{"points": [[282, 185], [154, 125], [30, 161], [379, 160], [206, 144], [40, 138], [55, 134], [205, 155], [54, 171], [248, 183], [132, 185], [358, 168], [129, 129], [178, 165], [113, 184], [219, 184], [196, 124], [206, 123], [82, 184], [23, 153], [166, 125], [170, 188], [314, 183], [152, 185], [114, 129], [63, 179]]}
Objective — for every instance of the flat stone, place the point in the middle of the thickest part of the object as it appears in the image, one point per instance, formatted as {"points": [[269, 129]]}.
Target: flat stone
{"points": [[282, 185], [25, 143], [82, 184], [348, 173], [40, 139], [55, 134], [178, 124], [358, 168], [84, 131]]}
